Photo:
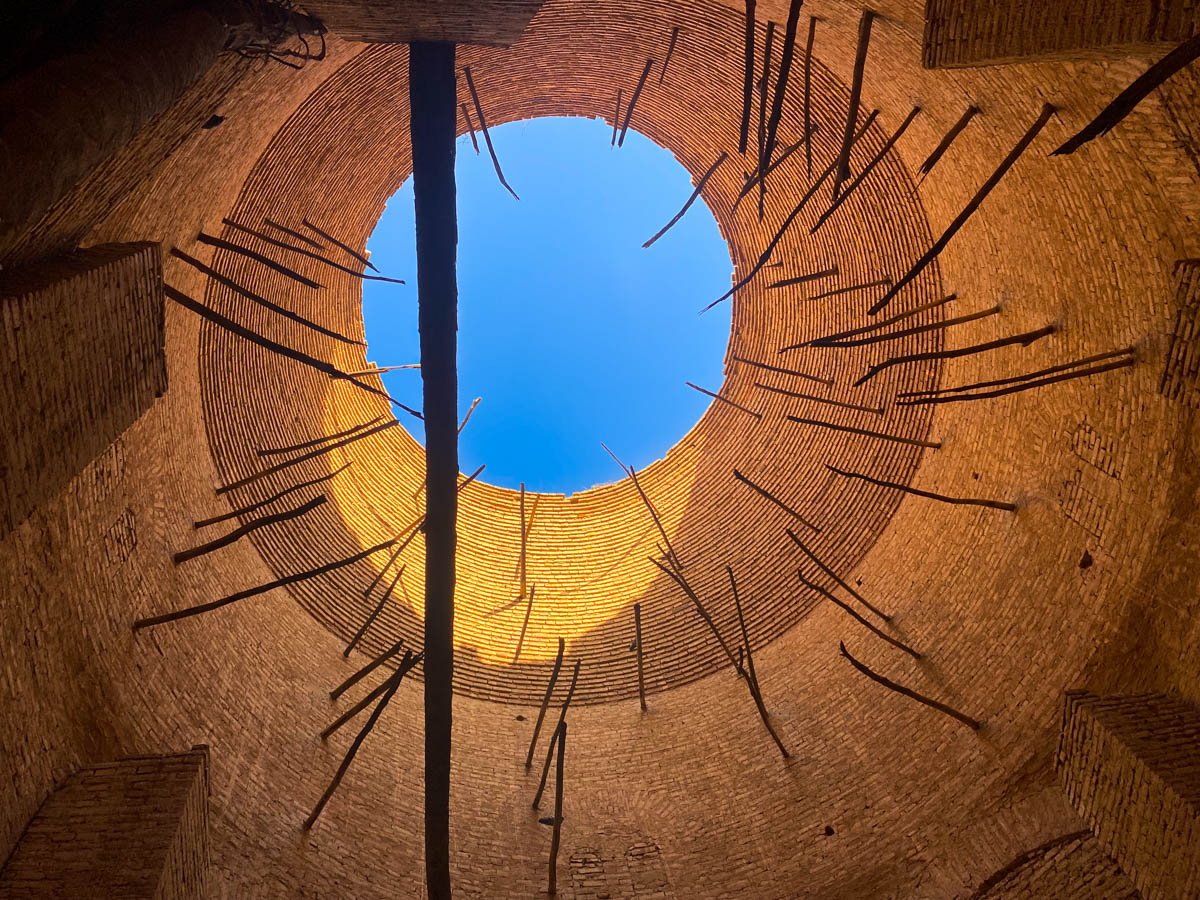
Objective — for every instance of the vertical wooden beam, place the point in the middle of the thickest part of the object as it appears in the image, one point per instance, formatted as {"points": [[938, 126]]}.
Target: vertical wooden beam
{"points": [[431, 90], [537, 726], [558, 798], [562, 717], [637, 628]]}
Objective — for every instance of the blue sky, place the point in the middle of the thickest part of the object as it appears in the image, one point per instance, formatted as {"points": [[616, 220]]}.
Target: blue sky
{"points": [[570, 332]]}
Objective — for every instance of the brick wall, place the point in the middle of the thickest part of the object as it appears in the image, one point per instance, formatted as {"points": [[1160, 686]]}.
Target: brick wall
{"points": [[83, 356], [496, 23], [133, 829], [1131, 767], [1071, 867], [986, 32]]}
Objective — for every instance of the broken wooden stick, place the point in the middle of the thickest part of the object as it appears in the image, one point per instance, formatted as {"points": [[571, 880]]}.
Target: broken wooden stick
{"points": [[222, 244], [380, 370], [366, 670], [345, 247], [406, 664], [254, 507], [961, 501], [260, 589], [260, 300], [1128, 99], [900, 689], [470, 127], [290, 232], [1025, 386], [562, 717], [940, 150], [828, 382], [487, 138], [303, 457], [912, 442], [690, 200], [317, 441], [866, 171], [765, 256], [670, 53], [870, 409], [808, 127], [875, 326], [748, 85], [637, 633], [842, 172], [763, 83], [765, 493], [751, 675], [832, 574], [253, 525], [748, 412], [909, 332], [708, 620], [525, 624], [1062, 367], [633, 101], [878, 632], [350, 754], [837, 292], [1023, 340], [537, 726], [558, 804], [283, 245], [801, 279], [986, 188], [374, 614], [781, 82]]}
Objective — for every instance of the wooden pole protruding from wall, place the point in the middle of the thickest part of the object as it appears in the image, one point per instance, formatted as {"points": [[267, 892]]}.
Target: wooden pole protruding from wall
{"points": [[751, 675], [637, 636], [878, 632], [842, 172], [358, 635], [866, 432], [973, 724], [247, 528], [961, 501], [761, 491], [367, 669], [562, 717], [1023, 340], [837, 578], [408, 663], [708, 619], [537, 726], [676, 562], [637, 92], [487, 138], [524, 624], [324, 439], [748, 80], [561, 737], [254, 507]]}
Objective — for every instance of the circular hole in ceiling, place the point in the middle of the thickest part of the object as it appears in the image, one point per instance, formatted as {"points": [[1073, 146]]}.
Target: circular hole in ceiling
{"points": [[569, 330]]}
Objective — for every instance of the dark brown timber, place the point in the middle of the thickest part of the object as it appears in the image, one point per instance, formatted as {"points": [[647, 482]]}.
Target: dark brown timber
{"points": [[763, 83], [470, 127], [253, 507], [254, 525], [537, 726], [562, 717], [808, 127], [900, 689], [876, 326], [303, 238], [758, 175], [346, 247], [828, 382], [675, 560], [842, 171], [222, 244], [801, 279], [708, 620], [986, 188], [748, 83], [690, 200], [637, 92], [940, 150], [525, 624], [616, 120], [316, 441], [407, 664], [1024, 386], [832, 574], [751, 675], [283, 245], [907, 332], [836, 292], [487, 138], [1016, 379], [637, 636], [748, 412], [366, 670], [1023, 340], [961, 501], [912, 442], [878, 632], [765, 493], [775, 390], [781, 83], [558, 804], [670, 53], [374, 614]]}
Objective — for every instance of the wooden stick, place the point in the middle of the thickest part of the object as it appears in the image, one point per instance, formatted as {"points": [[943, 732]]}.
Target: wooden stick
{"points": [[765, 256], [407, 664], [828, 382], [811, 585], [900, 689], [373, 615], [350, 754], [261, 301], [633, 101], [940, 244], [303, 457], [1027, 386], [283, 245], [616, 120], [257, 257], [875, 326], [562, 717], [751, 675], [321, 440], [670, 53], [866, 171], [487, 138], [763, 83], [461, 426], [637, 630], [940, 150], [379, 370], [860, 64], [837, 292], [558, 803], [808, 129], [1023, 340], [676, 561], [832, 574], [962, 501], [366, 670], [1128, 99], [912, 442], [470, 127], [758, 176], [748, 86], [690, 200], [708, 620], [253, 507], [748, 412], [525, 624], [316, 245], [260, 589], [801, 279], [329, 237], [870, 409], [254, 525], [765, 493], [785, 68], [908, 332], [267, 344], [537, 726], [1125, 351]]}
